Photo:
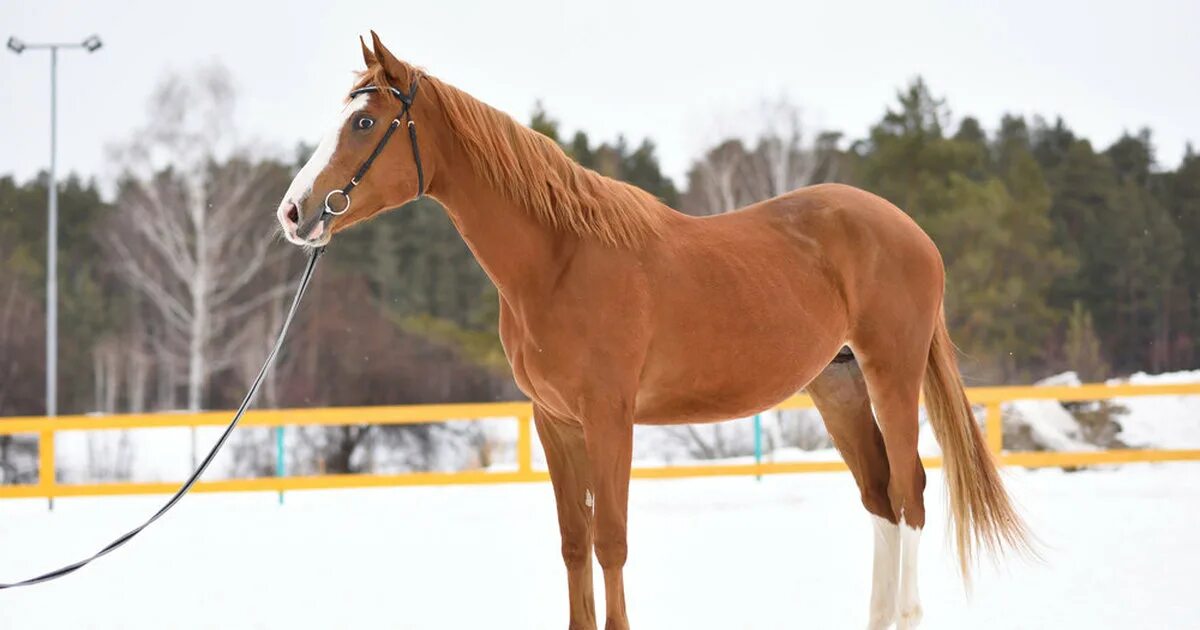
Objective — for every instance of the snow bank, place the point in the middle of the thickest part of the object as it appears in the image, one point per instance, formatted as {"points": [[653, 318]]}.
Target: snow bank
{"points": [[1142, 421], [1050, 425], [1160, 421]]}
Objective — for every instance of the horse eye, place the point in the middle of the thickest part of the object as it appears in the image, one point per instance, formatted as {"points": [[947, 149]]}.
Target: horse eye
{"points": [[365, 123]]}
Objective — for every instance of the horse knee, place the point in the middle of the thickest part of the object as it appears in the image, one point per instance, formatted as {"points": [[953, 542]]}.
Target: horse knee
{"points": [[576, 553], [612, 554]]}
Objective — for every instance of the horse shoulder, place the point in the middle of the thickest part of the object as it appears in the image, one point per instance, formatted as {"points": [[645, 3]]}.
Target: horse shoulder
{"points": [[588, 330]]}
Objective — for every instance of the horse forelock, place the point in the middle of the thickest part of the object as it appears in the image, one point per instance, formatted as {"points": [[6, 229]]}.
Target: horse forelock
{"points": [[375, 75]]}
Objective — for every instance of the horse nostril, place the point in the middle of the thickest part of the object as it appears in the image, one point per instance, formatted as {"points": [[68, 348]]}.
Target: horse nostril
{"points": [[293, 214]]}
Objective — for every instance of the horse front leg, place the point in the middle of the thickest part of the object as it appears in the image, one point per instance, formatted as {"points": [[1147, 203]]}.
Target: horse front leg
{"points": [[567, 459], [608, 433]]}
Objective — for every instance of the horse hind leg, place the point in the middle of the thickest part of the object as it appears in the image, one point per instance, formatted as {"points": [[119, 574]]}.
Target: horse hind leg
{"points": [[840, 394], [894, 369]]}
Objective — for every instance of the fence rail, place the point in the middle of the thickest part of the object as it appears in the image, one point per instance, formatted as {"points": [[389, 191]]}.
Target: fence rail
{"points": [[991, 398]]}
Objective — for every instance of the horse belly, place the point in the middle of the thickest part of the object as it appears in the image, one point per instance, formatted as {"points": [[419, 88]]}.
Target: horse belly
{"points": [[726, 379]]}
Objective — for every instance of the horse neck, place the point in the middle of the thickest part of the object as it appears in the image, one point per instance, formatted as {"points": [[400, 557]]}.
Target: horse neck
{"points": [[516, 251]]}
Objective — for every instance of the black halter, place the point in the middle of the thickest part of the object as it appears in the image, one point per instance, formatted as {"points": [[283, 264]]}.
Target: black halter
{"points": [[405, 112]]}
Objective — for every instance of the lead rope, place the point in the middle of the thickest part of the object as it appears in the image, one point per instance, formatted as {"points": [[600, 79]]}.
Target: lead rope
{"points": [[191, 481]]}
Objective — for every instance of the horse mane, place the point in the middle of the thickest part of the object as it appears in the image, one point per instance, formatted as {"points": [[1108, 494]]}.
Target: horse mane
{"points": [[533, 171]]}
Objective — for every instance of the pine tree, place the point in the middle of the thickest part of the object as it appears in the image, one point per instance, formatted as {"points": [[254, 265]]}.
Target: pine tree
{"points": [[1180, 195], [1081, 348], [987, 208]]}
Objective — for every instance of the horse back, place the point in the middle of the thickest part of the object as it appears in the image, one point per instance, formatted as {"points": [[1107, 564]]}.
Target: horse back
{"points": [[749, 306]]}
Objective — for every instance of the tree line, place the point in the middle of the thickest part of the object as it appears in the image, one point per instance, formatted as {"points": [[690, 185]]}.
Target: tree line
{"points": [[1060, 255]]}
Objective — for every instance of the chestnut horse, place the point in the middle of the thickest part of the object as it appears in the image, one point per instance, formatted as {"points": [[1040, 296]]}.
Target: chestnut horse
{"points": [[616, 310]]}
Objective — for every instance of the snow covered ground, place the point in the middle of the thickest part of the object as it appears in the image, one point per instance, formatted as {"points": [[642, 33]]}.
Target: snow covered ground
{"points": [[788, 552]]}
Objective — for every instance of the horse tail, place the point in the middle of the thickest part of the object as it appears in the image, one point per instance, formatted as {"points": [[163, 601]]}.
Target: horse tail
{"points": [[980, 509]]}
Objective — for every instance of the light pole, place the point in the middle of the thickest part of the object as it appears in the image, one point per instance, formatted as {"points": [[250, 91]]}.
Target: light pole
{"points": [[91, 44]]}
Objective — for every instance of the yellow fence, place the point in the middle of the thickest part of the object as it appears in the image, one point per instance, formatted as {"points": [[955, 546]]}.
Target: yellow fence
{"points": [[991, 398]]}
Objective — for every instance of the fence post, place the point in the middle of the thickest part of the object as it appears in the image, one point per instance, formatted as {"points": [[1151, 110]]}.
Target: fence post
{"points": [[280, 461], [994, 431], [46, 476], [758, 446], [524, 445]]}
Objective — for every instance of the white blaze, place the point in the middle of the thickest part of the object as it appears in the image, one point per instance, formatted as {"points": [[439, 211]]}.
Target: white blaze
{"points": [[302, 185]]}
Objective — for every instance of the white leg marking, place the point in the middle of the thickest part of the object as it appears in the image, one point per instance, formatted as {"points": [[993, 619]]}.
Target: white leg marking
{"points": [[910, 600], [886, 574]]}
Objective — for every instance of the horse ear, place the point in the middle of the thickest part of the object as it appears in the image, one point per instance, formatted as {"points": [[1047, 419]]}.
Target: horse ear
{"points": [[368, 56], [395, 68]]}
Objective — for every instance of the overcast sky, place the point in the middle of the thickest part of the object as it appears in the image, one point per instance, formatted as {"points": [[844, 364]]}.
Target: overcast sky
{"points": [[676, 72]]}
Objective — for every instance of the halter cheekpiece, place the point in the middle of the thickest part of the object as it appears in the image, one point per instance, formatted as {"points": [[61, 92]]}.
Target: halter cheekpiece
{"points": [[337, 202]]}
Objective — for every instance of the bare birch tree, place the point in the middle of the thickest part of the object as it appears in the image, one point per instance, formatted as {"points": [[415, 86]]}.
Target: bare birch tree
{"points": [[729, 175], [194, 226], [782, 161], [718, 177]]}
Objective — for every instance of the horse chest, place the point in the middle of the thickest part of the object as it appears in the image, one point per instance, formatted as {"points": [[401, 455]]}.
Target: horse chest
{"points": [[540, 365]]}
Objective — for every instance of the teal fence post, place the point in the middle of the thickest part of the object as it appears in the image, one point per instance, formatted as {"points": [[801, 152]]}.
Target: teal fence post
{"points": [[280, 461], [758, 444]]}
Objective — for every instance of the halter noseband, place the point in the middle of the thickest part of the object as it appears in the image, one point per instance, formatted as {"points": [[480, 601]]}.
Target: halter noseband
{"points": [[405, 112]]}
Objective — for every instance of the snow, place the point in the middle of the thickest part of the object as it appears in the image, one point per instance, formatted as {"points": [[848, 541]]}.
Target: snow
{"points": [[1171, 422], [789, 551], [140, 455], [731, 553], [1161, 421], [1051, 426]]}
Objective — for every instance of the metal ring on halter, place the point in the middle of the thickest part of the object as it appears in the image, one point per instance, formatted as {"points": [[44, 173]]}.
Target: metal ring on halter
{"points": [[333, 192]]}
